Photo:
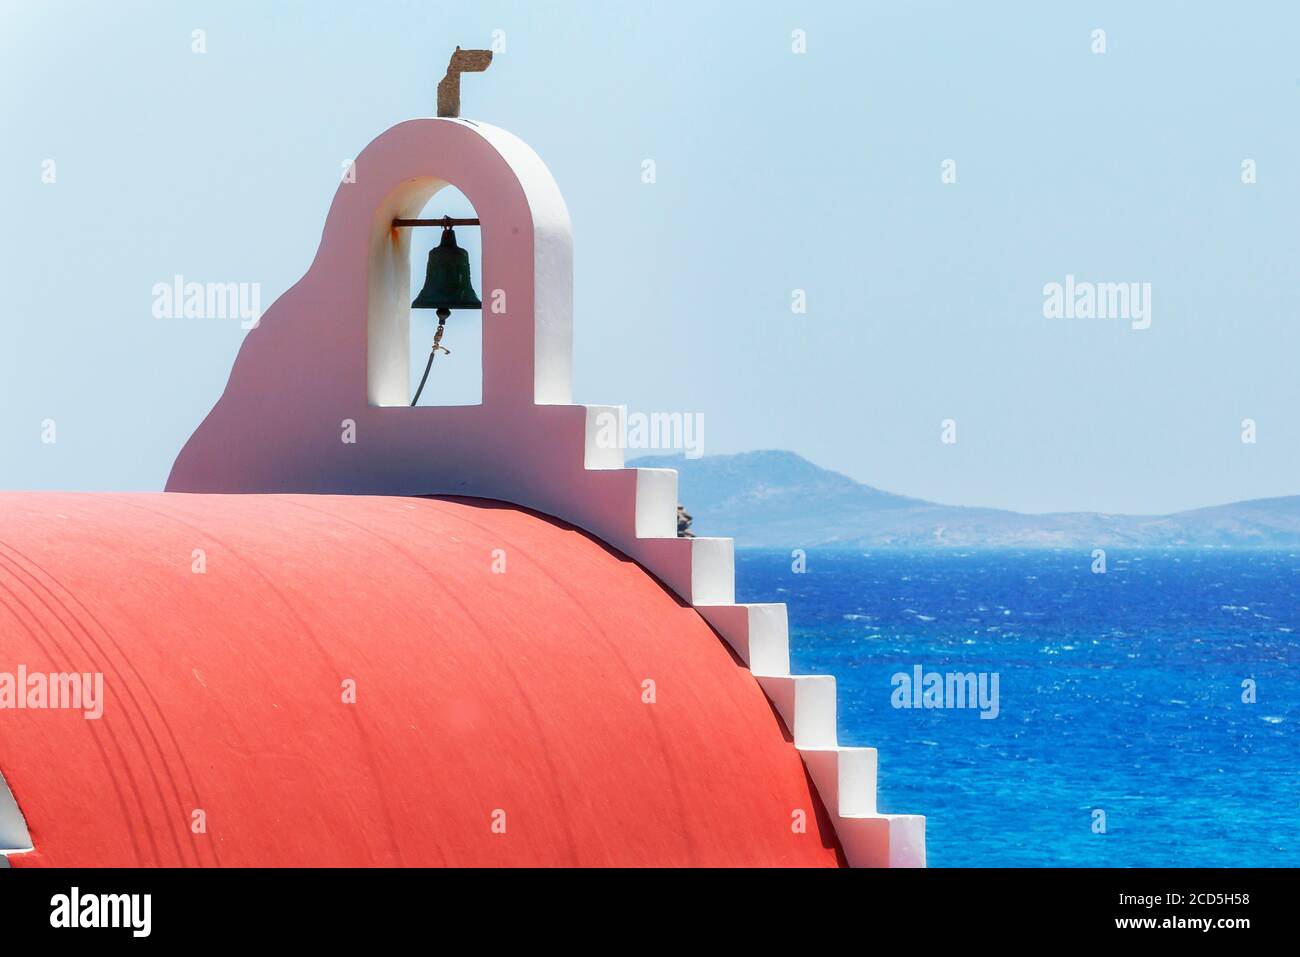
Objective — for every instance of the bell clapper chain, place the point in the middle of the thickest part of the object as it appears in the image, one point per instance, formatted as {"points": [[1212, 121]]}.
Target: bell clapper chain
{"points": [[437, 344]]}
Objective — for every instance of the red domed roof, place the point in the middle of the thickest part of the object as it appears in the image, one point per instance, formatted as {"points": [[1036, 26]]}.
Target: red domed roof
{"points": [[478, 691]]}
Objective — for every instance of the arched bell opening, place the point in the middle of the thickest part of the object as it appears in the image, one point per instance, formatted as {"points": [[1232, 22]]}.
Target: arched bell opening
{"points": [[455, 376], [411, 295]]}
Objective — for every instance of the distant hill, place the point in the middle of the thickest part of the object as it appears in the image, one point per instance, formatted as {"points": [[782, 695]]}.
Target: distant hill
{"points": [[779, 499]]}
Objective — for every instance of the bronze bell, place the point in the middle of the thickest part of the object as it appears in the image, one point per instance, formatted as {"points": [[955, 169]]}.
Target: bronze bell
{"points": [[447, 283]]}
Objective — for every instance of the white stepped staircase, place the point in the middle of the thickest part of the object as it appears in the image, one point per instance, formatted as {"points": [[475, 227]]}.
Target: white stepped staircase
{"points": [[702, 572]]}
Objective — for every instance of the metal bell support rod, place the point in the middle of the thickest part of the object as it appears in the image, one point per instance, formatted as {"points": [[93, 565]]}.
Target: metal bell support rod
{"points": [[445, 221]]}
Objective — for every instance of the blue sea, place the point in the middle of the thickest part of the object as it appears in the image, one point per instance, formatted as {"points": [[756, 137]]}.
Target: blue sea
{"points": [[1119, 692]]}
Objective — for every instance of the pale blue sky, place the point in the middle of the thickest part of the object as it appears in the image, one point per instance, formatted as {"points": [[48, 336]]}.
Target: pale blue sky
{"points": [[775, 171]]}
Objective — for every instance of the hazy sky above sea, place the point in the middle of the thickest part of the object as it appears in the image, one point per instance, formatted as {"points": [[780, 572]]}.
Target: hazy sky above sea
{"points": [[775, 171]]}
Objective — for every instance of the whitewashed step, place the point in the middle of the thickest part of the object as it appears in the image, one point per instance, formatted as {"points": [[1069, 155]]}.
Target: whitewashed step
{"points": [[758, 633], [807, 705], [882, 840], [845, 778]]}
